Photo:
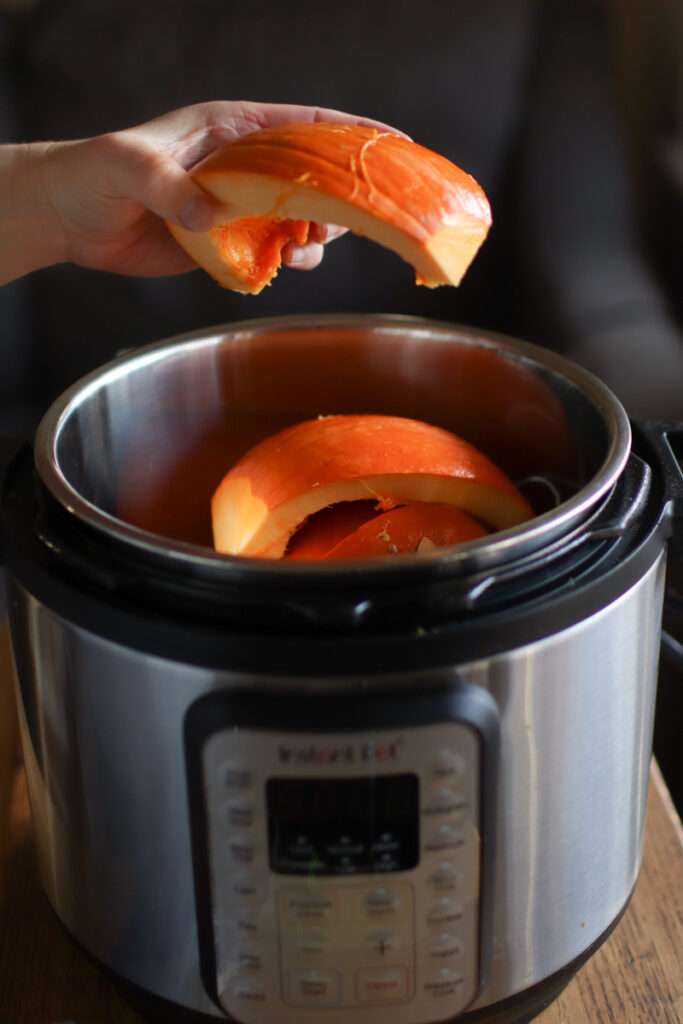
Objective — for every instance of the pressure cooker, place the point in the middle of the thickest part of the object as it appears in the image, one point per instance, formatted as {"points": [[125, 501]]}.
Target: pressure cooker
{"points": [[408, 789]]}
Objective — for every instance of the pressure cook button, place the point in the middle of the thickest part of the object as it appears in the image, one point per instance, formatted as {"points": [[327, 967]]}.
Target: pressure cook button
{"points": [[314, 987], [309, 906], [448, 766], [381, 984], [445, 800], [445, 911], [443, 983], [235, 775], [445, 838]]}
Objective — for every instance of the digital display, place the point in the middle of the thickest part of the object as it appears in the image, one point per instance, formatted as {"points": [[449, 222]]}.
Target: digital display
{"points": [[343, 826]]}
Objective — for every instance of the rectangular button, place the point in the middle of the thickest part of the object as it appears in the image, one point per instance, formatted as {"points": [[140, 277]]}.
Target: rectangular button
{"points": [[381, 984], [313, 987]]}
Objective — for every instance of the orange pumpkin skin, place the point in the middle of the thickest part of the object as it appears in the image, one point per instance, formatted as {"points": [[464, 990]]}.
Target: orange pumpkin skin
{"points": [[377, 183], [290, 476], [420, 527]]}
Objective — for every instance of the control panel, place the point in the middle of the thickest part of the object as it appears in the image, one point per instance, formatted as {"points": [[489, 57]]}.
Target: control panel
{"points": [[342, 872]]}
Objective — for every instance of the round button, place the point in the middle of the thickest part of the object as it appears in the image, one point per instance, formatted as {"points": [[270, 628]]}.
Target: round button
{"points": [[381, 902], [448, 765], [445, 911], [445, 800], [443, 982], [446, 877], [445, 838], [445, 946]]}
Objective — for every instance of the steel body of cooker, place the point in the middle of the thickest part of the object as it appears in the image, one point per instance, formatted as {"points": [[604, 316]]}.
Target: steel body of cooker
{"points": [[411, 792]]}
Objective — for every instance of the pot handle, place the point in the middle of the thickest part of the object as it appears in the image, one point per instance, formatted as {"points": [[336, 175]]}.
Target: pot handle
{"points": [[665, 447]]}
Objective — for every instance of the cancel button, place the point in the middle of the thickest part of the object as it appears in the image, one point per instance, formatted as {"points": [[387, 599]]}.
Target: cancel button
{"points": [[381, 984]]}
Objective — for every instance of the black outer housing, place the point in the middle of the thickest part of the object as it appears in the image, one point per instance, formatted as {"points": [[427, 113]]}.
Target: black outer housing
{"points": [[327, 624]]}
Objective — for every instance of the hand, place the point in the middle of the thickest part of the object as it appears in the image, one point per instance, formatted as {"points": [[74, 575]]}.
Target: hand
{"points": [[101, 202]]}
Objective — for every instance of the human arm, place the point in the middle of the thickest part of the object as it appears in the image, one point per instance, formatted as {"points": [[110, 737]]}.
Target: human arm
{"points": [[102, 202]]}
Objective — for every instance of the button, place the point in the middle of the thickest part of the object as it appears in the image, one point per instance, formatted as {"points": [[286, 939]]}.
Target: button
{"points": [[239, 813], [235, 775], [247, 989], [443, 982], [444, 838], [445, 911], [309, 906], [379, 903], [247, 957], [381, 984], [446, 877], [247, 888], [445, 946], [382, 944], [239, 851], [245, 923], [448, 765], [445, 800], [313, 944], [314, 987]]}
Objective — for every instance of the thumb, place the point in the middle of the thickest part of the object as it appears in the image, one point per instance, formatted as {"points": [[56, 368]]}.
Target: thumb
{"points": [[136, 170]]}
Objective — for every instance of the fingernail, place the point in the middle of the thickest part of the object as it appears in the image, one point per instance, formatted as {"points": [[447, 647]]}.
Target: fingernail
{"points": [[295, 255], [197, 214]]}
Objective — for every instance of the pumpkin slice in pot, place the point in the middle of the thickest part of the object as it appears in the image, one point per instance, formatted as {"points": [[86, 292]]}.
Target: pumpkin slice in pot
{"points": [[389, 460]]}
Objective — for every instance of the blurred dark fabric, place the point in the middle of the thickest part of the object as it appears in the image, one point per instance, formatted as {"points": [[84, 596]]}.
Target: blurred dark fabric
{"points": [[515, 91]]}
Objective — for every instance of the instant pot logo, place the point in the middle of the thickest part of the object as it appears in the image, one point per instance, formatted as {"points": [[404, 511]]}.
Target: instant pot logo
{"points": [[367, 752]]}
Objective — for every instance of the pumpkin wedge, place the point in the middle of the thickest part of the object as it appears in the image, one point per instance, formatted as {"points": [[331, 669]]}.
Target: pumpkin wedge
{"points": [[274, 488], [417, 527], [275, 182]]}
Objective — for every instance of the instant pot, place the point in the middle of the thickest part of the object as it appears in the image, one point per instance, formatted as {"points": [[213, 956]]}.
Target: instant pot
{"points": [[404, 790]]}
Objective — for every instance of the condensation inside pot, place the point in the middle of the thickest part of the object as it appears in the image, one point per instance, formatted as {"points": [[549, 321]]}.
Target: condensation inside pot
{"points": [[151, 445]]}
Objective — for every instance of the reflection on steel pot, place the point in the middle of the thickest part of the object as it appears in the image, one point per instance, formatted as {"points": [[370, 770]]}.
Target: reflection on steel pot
{"points": [[401, 789]]}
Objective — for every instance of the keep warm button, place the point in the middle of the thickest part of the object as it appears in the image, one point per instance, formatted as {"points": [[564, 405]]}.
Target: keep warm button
{"points": [[381, 984]]}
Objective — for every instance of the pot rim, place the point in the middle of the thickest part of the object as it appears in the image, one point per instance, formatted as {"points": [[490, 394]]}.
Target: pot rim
{"points": [[498, 548]]}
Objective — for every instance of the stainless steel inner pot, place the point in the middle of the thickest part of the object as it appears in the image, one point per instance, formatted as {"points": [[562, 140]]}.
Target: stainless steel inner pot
{"points": [[137, 448]]}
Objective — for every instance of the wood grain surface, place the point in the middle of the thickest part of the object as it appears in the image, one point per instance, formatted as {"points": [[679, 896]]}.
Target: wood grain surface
{"points": [[636, 977]]}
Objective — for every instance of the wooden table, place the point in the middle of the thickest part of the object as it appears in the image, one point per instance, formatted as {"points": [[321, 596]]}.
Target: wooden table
{"points": [[635, 978]]}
